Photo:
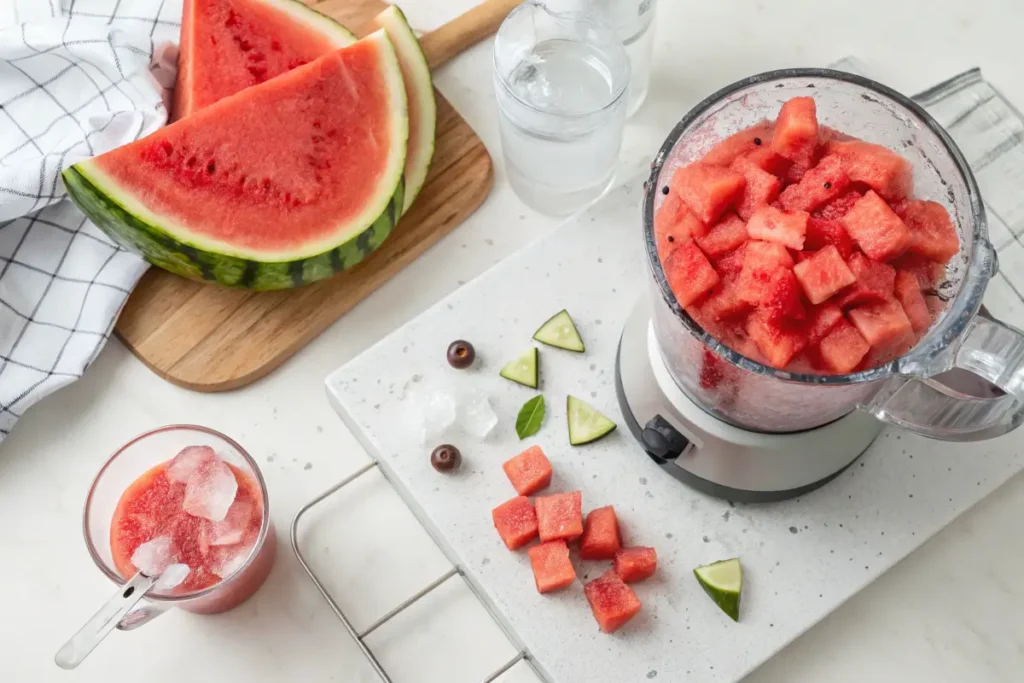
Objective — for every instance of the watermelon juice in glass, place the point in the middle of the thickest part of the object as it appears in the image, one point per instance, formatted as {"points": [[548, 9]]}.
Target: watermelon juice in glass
{"points": [[182, 495]]}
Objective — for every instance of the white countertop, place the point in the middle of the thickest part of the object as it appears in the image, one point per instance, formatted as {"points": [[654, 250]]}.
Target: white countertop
{"points": [[950, 612]]}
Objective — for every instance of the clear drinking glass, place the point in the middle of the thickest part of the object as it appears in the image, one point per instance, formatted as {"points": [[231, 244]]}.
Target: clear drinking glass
{"points": [[561, 80], [907, 391], [633, 23], [128, 464]]}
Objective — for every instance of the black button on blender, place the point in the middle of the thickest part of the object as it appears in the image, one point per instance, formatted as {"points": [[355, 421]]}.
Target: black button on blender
{"points": [[662, 439]]}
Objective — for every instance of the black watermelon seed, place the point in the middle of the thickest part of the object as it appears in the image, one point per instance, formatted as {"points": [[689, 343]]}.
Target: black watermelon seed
{"points": [[828, 185], [665, 190], [757, 141]]}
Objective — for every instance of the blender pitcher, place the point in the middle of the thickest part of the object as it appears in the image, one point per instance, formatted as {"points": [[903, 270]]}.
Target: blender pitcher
{"points": [[908, 391]]}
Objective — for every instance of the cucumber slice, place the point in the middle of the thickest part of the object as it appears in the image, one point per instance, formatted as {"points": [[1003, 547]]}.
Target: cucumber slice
{"points": [[585, 423], [560, 331], [523, 370], [723, 582]]}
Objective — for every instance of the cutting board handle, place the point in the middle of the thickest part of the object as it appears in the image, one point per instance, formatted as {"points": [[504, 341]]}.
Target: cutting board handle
{"points": [[465, 31]]}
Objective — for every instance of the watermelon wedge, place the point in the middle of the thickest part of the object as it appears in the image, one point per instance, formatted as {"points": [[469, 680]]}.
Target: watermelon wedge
{"points": [[229, 45], [279, 185]]}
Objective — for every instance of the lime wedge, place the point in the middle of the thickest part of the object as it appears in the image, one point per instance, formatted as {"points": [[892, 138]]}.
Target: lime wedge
{"points": [[523, 370], [723, 582], [560, 331], [586, 424]]}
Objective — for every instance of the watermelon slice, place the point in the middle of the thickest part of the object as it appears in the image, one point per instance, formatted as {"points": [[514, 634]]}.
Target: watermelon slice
{"points": [[822, 232], [908, 293], [708, 190], [529, 472], [880, 168], [601, 537], [762, 187], [214, 196], [933, 234], [822, 320], [839, 207], [767, 160], [552, 569], [818, 186], [560, 516], [843, 348], [612, 601], [636, 564], [728, 234], [875, 282], [876, 228], [744, 142], [778, 341], [725, 301], [689, 273], [229, 45], [516, 522], [882, 324], [674, 223], [796, 131], [788, 228], [823, 274]]}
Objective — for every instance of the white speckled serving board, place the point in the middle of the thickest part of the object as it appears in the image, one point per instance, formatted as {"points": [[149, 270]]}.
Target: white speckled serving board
{"points": [[802, 558]]}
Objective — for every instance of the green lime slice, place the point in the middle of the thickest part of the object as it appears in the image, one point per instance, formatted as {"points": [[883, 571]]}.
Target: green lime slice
{"points": [[560, 331], [723, 582], [523, 370], [586, 424]]}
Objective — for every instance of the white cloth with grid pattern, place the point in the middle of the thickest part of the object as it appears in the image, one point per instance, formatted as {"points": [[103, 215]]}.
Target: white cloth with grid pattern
{"points": [[77, 78]]}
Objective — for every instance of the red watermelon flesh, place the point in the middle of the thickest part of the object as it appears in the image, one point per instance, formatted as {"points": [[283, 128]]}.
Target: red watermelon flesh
{"points": [[929, 274], [529, 472], [725, 301], [882, 169], [689, 273], [796, 131], [933, 234], [601, 537], [782, 298], [875, 282], [560, 516], [778, 341], [876, 228], [821, 320], [674, 223], [762, 187], [820, 185], [768, 160], [730, 265], [636, 564], [761, 261], [787, 228], [908, 293], [230, 45], [822, 233], [881, 324], [612, 601], [516, 522], [823, 275], [552, 569], [839, 207], [843, 348], [747, 140], [708, 190], [728, 234], [935, 305]]}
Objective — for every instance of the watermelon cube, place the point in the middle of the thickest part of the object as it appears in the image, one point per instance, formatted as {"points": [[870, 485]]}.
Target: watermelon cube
{"points": [[728, 234], [529, 472], [612, 601], [839, 207], [516, 522], [689, 273], [552, 569], [818, 186], [778, 341], [875, 282], [932, 231], [767, 160], [796, 131], [744, 142], [908, 293], [876, 228], [821, 320], [823, 274], [787, 228], [560, 516], [708, 190], [823, 232], [730, 265], [601, 537], [636, 564], [843, 348], [928, 273], [878, 167], [882, 324], [760, 261], [724, 301], [674, 223], [761, 190], [782, 299]]}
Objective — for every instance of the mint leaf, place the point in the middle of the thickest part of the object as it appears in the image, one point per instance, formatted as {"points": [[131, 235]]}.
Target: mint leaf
{"points": [[530, 417]]}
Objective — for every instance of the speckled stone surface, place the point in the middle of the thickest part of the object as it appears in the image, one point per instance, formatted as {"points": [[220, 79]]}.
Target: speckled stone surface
{"points": [[801, 558]]}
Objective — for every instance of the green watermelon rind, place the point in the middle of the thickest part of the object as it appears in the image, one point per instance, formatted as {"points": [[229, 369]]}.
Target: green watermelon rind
{"points": [[315, 19], [406, 44], [140, 230]]}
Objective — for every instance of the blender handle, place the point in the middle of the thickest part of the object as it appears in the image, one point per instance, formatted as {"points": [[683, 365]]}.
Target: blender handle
{"points": [[990, 350]]}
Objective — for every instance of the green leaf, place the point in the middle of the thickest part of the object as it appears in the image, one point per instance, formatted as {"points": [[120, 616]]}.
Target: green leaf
{"points": [[530, 417]]}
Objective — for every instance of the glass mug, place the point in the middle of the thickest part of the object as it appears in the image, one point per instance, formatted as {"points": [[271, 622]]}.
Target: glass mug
{"points": [[908, 391]]}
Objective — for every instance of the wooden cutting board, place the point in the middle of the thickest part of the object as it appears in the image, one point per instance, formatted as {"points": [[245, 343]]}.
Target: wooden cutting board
{"points": [[208, 338]]}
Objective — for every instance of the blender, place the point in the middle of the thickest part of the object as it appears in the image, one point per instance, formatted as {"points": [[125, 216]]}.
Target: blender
{"points": [[735, 428]]}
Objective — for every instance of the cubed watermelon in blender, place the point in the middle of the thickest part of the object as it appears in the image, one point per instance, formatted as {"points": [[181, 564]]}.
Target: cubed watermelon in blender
{"points": [[876, 228], [601, 537], [821, 320], [725, 301], [726, 235], [731, 264], [823, 232], [878, 167], [796, 131], [932, 232], [560, 516], [516, 522], [839, 207], [747, 140], [908, 293], [823, 274], [529, 472], [761, 190], [636, 564], [875, 282], [787, 228], [935, 305], [881, 324], [612, 601], [708, 190], [843, 348], [779, 342], [782, 299], [928, 273], [552, 569], [689, 273], [818, 186], [768, 160], [674, 223]]}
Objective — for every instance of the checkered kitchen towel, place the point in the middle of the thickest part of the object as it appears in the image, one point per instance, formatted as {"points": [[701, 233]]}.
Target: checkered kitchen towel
{"points": [[77, 78]]}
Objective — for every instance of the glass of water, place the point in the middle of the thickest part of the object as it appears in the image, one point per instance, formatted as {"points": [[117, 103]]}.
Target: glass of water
{"points": [[562, 81], [633, 23]]}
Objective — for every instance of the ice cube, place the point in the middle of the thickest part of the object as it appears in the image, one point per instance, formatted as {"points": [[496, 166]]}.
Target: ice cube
{"points": [[210, 491], [431, 413], [225, 560], [186, 462], [232, 529], [476, 416], [155, 555], [172, 577]]}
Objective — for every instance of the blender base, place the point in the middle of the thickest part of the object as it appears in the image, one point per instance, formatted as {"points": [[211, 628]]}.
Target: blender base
{"points": [[712, 456]]}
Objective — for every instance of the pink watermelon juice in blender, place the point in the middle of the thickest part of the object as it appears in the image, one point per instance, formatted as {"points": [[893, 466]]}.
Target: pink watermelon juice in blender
{"points": [[817, 252]]}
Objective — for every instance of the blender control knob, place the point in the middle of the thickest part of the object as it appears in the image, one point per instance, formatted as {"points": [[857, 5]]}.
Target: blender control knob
{"points": [[663, 440]]}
